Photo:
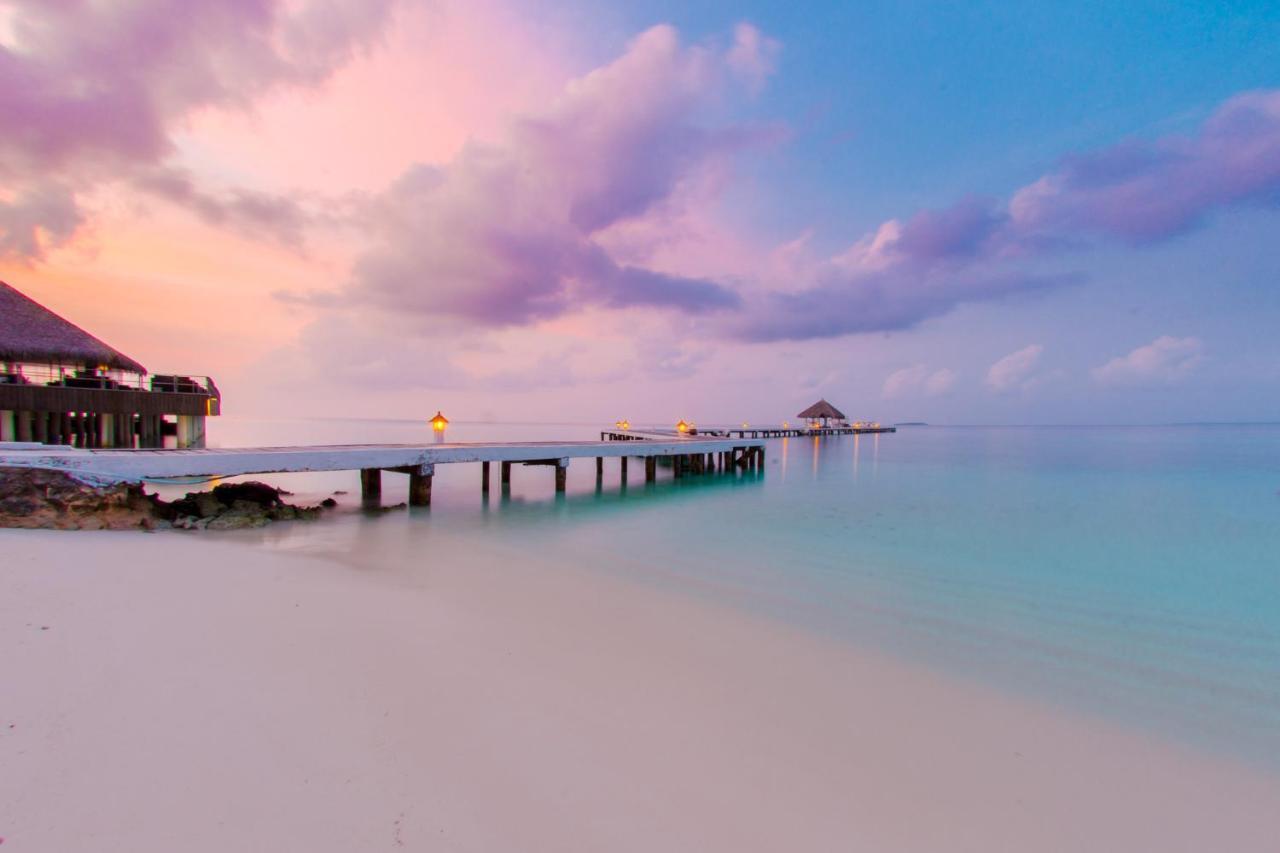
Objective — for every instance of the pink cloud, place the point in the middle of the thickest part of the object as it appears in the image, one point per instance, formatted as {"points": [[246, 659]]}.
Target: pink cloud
{"points": [[93, 92], [753, 55], [1016, 371], [918, 380], [1163, 361]]}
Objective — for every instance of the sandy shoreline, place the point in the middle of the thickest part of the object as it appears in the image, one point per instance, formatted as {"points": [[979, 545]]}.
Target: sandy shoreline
{"points": [[162, 693]]}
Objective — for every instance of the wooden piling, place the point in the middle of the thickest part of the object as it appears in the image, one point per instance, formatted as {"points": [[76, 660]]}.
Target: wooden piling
{"points": [[562, 472], [622, 469], [675, 466], [650, 469], [600, 467], [506, 473], [420, 485], [484, 477], [370, 485]]}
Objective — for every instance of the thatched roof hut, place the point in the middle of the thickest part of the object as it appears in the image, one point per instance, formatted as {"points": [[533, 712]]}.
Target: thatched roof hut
{"points": [[32, 333], [822, 411]]}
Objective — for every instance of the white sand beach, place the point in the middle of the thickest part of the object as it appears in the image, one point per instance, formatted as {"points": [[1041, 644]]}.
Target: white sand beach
{"points": [[175, 692]]}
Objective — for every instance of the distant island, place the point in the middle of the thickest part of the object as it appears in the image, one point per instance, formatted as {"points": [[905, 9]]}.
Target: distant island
{"points": [[911, 423]]}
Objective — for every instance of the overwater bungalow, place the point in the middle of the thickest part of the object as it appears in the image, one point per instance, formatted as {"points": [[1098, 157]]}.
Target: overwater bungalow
{"points": [[61, 385], [823, 414]]}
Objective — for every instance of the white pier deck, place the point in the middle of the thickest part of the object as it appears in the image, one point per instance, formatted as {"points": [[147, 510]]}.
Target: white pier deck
{"points": [[694, 454]]}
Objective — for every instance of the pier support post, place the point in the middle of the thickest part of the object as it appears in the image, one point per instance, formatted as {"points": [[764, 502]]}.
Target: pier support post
{"points": [[484, 477], [623, 469], [190, 431], [650, 469], [675, 466], [697, 460], [106, 431], [761, 458], [420, 485], [370, 485], [600, 468], [8, 426], [506, 474], [562, 472], [23, 426]]}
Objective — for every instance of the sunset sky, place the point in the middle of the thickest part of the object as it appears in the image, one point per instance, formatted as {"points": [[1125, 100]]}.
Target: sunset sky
{"points": [[958, 213]]}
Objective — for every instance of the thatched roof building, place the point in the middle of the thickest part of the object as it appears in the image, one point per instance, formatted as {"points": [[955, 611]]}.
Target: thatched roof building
{"points": [[29, 332], [822, 411]]}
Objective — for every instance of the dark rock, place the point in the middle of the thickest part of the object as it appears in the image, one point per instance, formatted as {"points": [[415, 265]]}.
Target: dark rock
{"points": [[329, 503], [208, 505], [54, 500], [258, 493]]}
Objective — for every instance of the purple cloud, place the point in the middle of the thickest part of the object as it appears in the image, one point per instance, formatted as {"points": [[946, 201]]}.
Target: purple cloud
{"points": [[43, 213], [509, 232], [959, 232], [1141, 191], [1135, 192], [848, 302], [92, 91]]}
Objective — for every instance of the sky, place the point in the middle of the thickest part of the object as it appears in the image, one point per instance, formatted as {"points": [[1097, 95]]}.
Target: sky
{"points": [[1023, 213]]}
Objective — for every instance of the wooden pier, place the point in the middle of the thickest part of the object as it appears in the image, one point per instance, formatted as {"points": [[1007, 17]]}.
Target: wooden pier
{"points": [[686, 455]]}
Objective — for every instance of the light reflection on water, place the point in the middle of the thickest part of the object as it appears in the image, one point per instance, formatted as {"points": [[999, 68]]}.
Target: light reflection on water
{"points": [[1129, 572]]}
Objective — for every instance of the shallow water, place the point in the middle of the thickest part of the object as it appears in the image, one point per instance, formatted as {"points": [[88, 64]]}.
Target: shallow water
{"points": [[1131, 573]]}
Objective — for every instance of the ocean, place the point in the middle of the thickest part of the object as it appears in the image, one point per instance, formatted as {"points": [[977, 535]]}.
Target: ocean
{"points": [[1128, 573]]}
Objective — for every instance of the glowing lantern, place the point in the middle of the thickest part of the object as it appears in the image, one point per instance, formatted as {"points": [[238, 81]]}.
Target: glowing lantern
{"points": [[785, 425], [682, 427], [439, 422], [744, 424]]}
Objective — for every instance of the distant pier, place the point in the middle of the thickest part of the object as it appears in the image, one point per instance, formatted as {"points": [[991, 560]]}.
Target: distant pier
{"points": [[743, 432]]}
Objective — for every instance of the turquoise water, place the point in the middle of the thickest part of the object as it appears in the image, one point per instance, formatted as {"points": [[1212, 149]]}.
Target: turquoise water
{"points": [[1131, 573]]}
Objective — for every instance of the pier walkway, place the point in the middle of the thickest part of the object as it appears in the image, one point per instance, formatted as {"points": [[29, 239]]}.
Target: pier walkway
{"points": [[741, 432], [687, 455]]}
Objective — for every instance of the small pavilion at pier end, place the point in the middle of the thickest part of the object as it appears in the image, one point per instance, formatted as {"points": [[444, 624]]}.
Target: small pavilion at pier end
{"points": [[823, 414]]}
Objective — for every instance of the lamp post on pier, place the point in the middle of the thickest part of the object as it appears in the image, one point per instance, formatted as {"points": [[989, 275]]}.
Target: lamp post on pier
{"points": [[438, 424]]}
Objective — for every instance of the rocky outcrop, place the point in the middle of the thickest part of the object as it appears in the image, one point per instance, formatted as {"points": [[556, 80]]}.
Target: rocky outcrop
{"points": [[54, 500]]}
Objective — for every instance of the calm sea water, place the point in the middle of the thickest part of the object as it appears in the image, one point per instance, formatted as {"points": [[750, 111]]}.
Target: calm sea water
{"points": [[1132, 573]]}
